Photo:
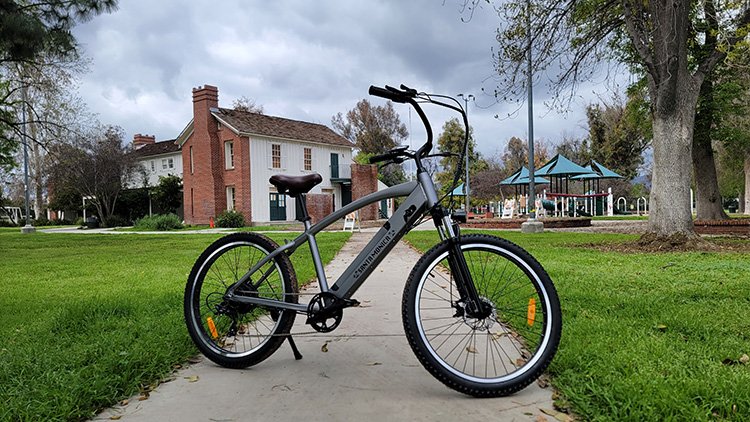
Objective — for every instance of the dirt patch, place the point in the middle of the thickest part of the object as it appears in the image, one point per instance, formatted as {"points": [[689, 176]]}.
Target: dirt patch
{"points": [[653, 243], [515, 223]]}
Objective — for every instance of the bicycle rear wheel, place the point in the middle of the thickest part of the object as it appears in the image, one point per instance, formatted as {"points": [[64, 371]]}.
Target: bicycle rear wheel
{"points": [[483, 357], [232, 334]]}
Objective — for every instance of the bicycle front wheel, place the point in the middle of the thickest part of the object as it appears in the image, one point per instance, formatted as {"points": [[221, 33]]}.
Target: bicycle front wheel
{"points": [[233, 334], [500, 353]]}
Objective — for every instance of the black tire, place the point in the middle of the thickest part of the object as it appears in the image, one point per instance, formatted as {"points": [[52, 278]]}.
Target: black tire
{"points": [[258, 331], [495, 356]]}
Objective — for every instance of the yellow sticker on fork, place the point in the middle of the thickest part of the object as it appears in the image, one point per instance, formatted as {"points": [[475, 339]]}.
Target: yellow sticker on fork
{"points": [[531, 312], [212, 328]]}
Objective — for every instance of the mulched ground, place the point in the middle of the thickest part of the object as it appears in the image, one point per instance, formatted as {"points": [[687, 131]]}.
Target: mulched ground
{"points": [[651, 243]]}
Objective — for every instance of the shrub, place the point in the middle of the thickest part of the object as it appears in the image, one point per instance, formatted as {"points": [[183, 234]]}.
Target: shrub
{"points": [[116, 221], [43, 221], [79, 222], [160, 222], [233, 219]]}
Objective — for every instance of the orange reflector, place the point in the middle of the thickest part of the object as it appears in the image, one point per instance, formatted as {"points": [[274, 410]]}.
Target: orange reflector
{"points": [[212, 328], [531, 312]]}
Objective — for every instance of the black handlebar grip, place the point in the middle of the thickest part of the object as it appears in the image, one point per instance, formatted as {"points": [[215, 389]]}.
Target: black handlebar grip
{"points": [[381, 157], [388, 95], [408, 90]]}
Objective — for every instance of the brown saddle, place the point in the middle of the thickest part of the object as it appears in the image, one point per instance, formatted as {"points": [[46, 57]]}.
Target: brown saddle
{"points": [[295, 185]]}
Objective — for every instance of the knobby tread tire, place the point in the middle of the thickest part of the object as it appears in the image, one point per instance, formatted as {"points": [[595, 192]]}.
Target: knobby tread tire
{"points": [[289, 278], [439, 372]]}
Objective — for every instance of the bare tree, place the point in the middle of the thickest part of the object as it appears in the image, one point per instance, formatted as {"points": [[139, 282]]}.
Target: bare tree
{"points": [[32, 32], [96, 167], [43, 93], [576, 36], [247, 104]]}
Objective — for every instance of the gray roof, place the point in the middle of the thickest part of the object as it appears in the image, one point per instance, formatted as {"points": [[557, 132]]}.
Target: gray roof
{"points": [[157, 148], [247, 123]]}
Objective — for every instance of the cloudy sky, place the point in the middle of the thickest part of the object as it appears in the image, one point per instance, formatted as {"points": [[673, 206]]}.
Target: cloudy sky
{"points": [[305, 60]]}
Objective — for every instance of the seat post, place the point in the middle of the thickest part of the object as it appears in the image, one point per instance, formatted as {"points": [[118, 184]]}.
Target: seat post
{"points": [[302, 214], [304, 217]]}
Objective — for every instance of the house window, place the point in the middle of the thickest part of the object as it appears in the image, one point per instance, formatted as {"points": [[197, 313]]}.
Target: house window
{"points": [[153, 167], [308, 158], [163, 163], [228, 155], [276, 156], [191, 160], [170, 162], [230, 198]]}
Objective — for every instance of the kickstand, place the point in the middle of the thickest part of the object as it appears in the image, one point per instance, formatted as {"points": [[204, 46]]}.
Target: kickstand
{"points": [[297, 354]]}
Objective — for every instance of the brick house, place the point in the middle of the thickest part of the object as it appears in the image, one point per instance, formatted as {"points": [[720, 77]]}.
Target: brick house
{"points": [[228, 156], [157, 159]]}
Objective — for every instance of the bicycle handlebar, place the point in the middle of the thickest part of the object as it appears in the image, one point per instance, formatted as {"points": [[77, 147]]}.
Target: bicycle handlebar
{"points": [[410, 96], [389, 94], [381, 157], [390, 155]]}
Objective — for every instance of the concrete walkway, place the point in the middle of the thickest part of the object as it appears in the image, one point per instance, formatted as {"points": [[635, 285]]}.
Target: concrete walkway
{"points": [[357, 378]]}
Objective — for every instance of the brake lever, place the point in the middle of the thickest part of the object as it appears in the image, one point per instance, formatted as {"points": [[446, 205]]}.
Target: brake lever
{"points": [[442, 154], [397, 160]]}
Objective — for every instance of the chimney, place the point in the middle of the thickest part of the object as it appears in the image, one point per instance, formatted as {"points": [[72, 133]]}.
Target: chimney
{"points": [[204, 99], [141, 140]]}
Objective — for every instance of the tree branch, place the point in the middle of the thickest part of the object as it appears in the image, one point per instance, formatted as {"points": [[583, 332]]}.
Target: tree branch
{"points": [[708, 65], [638, 34]]}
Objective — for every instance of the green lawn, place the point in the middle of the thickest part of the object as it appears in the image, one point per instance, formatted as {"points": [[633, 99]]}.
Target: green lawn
{"points": [[646, 336], [89, 319]]}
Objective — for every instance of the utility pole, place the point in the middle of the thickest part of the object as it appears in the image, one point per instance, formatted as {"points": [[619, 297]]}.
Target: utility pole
{"points": [[466, 150], [532, 225], [28, 228]]}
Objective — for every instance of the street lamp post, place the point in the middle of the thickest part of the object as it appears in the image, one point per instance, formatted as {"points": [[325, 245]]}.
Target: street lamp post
{"points": [[466, 150], [28, 228], [532, 225]]}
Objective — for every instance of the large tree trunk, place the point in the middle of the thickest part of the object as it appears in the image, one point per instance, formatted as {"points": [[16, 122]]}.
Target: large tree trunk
{"points": [[674, 94], [747, 183], [707, 196], [669, 208]]}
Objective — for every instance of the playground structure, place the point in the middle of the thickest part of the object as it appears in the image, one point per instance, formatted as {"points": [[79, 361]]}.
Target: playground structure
{"points": [[557, 200], [641, 206]]}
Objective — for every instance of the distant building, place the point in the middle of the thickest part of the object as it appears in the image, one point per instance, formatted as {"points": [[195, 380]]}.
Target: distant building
{"points": [[157, 159], [225, 158]]}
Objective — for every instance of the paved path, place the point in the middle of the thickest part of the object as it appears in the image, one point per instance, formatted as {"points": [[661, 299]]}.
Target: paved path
{"points": [[358, 378], [597, 226]]}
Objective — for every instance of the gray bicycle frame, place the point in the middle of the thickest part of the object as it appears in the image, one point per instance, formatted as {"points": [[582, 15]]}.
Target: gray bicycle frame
{"points": [[420, 197]]}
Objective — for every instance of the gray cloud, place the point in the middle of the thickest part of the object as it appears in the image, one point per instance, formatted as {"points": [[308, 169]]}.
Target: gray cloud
{"points": [[299, 59]]}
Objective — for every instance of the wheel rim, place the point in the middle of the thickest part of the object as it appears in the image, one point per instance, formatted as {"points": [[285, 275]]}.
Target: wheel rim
{"points": [[214, 319], [501, 347]]}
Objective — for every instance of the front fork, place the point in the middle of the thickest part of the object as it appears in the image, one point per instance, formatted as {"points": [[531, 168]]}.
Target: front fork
{"points": [[451, 233]]}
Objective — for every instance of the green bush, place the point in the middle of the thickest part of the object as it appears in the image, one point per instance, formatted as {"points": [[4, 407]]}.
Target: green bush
{"points": [[79, 222], [43, 221], [159, 222], [116, 221], [233, 219]]}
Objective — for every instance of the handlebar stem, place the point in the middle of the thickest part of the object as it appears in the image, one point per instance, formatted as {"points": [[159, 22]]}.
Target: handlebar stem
{"points": [[427, 147]]}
